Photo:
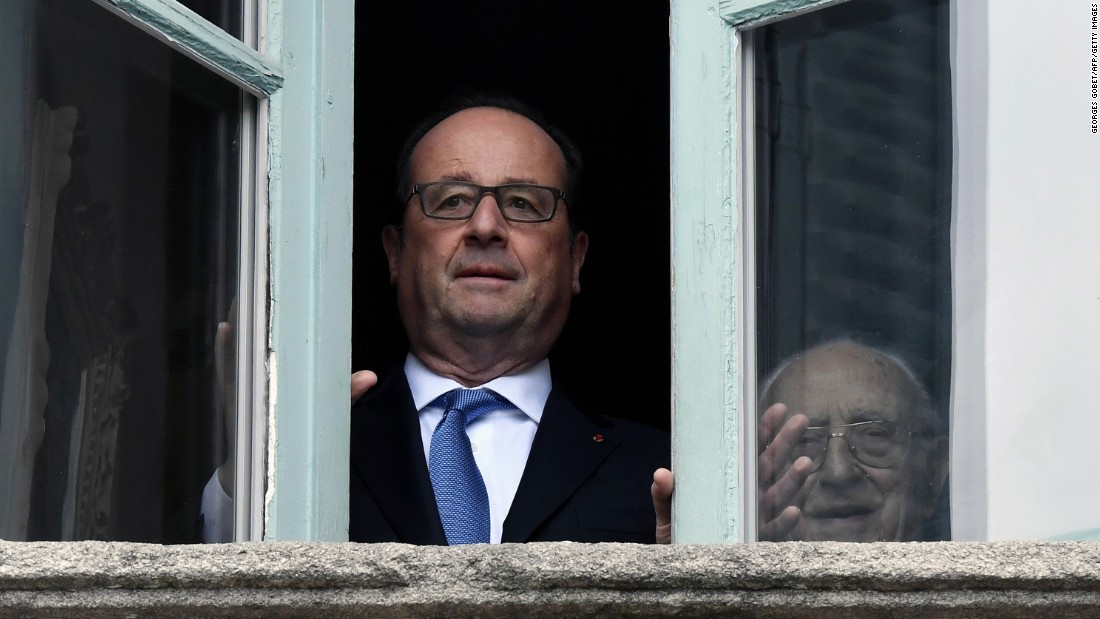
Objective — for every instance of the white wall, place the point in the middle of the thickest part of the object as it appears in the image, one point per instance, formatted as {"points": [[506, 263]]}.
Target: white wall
{"points": [[1026, 418]]}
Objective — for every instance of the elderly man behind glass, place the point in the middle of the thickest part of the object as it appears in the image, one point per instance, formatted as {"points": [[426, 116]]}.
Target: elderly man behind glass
{"points": [[850, 448]]}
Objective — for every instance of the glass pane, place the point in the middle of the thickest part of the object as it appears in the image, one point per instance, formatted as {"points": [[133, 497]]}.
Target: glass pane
{"points": [[113, 289], [226, 14], [853, 175]]}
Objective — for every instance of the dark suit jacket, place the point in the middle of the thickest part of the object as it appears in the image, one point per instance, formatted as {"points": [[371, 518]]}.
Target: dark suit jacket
{"points": [[587, 478]]}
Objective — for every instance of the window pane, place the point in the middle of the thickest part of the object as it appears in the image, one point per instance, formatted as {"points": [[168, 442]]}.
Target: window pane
{"points": [[853, 176], [226, 14], [112, 294]]}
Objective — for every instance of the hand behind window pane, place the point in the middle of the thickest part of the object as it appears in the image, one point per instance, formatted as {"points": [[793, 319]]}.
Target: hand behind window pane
{"points": [[779, 483]]}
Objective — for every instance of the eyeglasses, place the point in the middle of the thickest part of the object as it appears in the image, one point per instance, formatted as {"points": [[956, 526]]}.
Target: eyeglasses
{"points": [[516, 201], [878, 444]]}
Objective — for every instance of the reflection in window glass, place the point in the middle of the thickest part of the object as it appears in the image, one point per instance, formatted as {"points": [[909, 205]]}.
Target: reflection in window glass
{"points": [[225, 14], [853, 180], [112, 293]]}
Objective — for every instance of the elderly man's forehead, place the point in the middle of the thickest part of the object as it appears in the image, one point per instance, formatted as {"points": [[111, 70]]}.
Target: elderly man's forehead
{"points": [[843, 377], [846, 361]]}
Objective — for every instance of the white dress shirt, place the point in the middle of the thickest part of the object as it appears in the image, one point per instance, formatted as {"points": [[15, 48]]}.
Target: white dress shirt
{"points": [[501, 439]]}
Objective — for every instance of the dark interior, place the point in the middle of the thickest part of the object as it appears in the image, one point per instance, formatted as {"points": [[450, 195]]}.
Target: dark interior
{"points": [[600, 71]]}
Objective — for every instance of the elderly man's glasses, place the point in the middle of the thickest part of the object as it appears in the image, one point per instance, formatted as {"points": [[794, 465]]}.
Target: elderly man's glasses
{"points": [[878, 444], [459, 200]]}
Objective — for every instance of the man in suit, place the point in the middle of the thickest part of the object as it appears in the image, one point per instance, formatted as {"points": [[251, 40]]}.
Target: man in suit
{"points": [[485, 258]]}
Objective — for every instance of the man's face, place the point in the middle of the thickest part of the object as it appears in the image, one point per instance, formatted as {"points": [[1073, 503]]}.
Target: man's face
{"points": [[845, 499], [485, 279]]}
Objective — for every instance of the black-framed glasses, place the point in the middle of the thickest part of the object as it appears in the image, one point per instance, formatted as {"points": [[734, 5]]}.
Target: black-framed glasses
{"points": [[516, 201], [878, 444]]}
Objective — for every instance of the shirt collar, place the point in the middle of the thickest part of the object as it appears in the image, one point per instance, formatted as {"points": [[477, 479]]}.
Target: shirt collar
{"points": [[528, 390]]}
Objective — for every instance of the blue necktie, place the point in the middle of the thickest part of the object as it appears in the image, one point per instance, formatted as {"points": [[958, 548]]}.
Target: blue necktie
{"points": [[459, 489]]}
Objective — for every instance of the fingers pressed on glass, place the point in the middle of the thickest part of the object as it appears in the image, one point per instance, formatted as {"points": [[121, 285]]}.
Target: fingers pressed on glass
{"points": [[777, 497], [775, 452], [770, 422], [778, 528]]}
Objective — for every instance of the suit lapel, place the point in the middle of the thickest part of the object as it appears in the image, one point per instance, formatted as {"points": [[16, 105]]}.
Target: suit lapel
{"points": [[567, 449], [388, 455]]}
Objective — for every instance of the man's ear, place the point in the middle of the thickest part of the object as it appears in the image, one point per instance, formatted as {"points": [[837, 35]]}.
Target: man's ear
{"points": [[578, 250], [393, 244]]}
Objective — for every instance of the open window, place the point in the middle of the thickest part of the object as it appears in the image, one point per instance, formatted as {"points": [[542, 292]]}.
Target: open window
{"points": [[600, 72], [136, 175], [139, 335]]}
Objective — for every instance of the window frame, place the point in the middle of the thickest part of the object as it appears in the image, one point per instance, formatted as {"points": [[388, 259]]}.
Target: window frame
{"points": [[1005, 278], [310, 244], [295, 267], [712, 265]]}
